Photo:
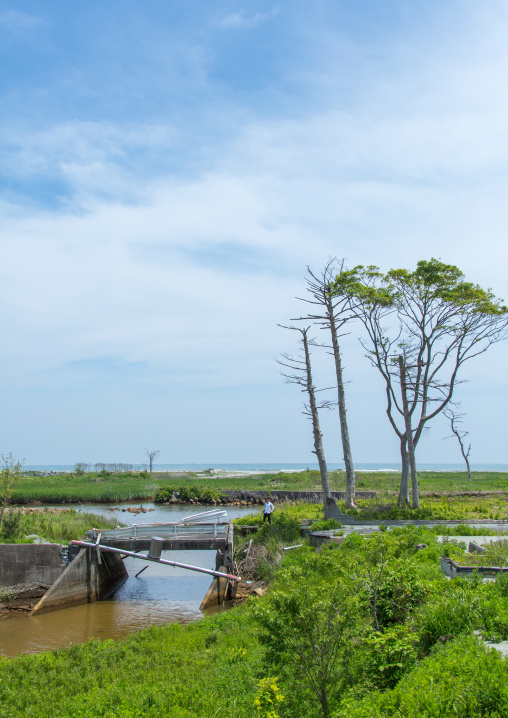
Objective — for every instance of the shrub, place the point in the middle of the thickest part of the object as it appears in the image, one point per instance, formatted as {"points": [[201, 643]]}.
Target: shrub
{"points": [[463, 679], [201, 494], [326, 525], [10, 529], [459, 609], [390, 655], [282, 529]]}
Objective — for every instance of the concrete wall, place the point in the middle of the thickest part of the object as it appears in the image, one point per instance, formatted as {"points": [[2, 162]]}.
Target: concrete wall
{"points": [[29, 563], [84, 581], [309, 496]]}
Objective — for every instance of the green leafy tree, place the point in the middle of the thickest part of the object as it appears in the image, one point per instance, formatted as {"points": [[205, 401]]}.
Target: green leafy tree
{"points": [[310, 632], [421, 326], [10, 472]]}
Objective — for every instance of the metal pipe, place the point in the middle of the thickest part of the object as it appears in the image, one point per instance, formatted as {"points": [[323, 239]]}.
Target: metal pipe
{"points": [[85, 544], [288, 548]]}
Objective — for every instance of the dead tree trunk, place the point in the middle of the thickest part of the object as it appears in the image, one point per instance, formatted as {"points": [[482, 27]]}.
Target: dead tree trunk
{"points": [[302, 375], [460, 435], [151, 456], [333, 315], [318, 436], [344, 431], [403, 500]]}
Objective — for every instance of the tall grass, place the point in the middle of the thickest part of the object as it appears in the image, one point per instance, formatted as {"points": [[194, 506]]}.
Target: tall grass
{"points": [[59, 527]]}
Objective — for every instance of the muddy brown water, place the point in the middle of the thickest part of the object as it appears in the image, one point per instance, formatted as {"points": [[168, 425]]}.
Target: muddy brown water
{"points": [[161, 594]]}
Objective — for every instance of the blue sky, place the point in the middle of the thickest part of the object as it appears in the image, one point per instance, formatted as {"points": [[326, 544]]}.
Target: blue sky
{"points": [[167, 172]]}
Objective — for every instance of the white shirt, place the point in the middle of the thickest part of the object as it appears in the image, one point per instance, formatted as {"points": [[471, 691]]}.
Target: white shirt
{"points": [[268, 507]]}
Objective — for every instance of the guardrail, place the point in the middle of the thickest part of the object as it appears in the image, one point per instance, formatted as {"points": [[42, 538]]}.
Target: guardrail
{"points": [[168, 531]]}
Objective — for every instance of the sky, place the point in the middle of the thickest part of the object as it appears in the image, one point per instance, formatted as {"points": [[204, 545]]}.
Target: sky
{"points": [[168, 171]]}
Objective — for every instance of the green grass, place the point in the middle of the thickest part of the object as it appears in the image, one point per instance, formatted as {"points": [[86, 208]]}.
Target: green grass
{"points": [[93, 488], [438, 508], [58, 528], [207, 669]]}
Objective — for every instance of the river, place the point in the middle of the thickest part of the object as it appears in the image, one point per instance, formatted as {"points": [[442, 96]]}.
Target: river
{"points": [[161, 594]]}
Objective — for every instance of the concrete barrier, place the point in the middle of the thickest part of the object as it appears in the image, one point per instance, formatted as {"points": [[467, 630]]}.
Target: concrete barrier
{"points": [[30, 563], [452, 569], [84, 581]]}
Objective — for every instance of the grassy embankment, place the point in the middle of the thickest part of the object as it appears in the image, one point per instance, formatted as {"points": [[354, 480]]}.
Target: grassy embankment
{"points": [[391, 637], [57, 526], [69, 488]]}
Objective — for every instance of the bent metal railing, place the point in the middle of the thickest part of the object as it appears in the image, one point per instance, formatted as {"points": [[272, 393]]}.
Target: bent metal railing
{"points": [[169, 531], [206, 525]]}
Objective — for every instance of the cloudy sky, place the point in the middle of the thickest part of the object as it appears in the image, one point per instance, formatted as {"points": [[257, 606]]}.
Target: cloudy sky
{"points": [[168, 171]]}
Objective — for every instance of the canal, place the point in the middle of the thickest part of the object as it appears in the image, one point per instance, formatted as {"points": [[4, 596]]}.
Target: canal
{"points": [[161, 594]]}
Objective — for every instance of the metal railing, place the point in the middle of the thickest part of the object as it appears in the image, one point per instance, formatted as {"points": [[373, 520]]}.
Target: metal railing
{"points": [[169, 531]]}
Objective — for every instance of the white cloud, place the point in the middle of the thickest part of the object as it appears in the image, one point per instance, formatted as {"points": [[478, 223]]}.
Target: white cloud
{"points": [[17, 22], [241, 21]]}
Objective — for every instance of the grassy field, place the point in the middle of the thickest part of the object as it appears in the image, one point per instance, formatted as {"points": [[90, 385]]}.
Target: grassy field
{"points": [[69, 488]]}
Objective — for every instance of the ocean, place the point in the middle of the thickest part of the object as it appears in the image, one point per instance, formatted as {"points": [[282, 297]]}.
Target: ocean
{"points": [[275, 466]]}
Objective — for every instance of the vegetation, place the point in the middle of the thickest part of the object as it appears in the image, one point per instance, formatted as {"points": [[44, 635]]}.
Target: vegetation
{"points": [[369, 627], [105, 487], [60, 527], [10, 471], [201, 494]]}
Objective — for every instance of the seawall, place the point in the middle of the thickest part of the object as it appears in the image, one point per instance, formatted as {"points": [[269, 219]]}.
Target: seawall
{"points": [[30, 563]]}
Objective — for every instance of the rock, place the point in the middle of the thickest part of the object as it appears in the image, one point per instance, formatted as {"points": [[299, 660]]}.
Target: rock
{"points": [[260, 592]]}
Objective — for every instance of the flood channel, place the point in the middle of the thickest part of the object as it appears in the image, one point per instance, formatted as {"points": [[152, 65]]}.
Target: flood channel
{"points": [[161, 594]]}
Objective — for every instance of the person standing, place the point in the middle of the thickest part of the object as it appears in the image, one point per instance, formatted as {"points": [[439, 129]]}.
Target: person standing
{"points": [[267, 511]]}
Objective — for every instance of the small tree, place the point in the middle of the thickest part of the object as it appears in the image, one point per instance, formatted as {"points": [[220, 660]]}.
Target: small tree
{"points": [[10, 472], [310, 629], [151, 456], [455, 419], [302, 376]]}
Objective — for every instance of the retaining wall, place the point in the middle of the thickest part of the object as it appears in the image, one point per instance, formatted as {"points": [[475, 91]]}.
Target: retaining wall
{"points": [[30, 563], [84, 581], [313, 497]]}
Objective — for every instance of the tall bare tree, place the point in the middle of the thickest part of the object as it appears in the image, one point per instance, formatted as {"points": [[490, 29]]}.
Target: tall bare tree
{"points": [[333, 313], [438, 320], [301, 374], [455, 419], [151, 456]]}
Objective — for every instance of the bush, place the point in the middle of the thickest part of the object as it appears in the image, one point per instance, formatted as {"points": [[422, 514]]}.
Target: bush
{"points": [[389, 656], [10, 530], [282, 529], [201, 494], [326, 525], [459, 609], [463, 679]]}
